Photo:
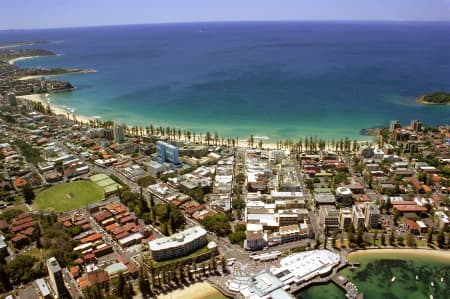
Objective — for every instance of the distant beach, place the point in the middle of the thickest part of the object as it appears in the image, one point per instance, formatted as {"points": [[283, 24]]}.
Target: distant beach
{"points": [[14, 60], [201, 290]]}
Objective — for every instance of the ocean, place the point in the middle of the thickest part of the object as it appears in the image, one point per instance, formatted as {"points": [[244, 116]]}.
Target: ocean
{"points": [[274, 80]]}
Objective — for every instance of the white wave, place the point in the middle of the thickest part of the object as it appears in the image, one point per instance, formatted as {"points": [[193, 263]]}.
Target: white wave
{"points": [[262, 137]]}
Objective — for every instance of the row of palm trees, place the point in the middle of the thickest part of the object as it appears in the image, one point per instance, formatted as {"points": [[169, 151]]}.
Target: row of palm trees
{"points": [[172, 133], [173, 275], [314, 144]]}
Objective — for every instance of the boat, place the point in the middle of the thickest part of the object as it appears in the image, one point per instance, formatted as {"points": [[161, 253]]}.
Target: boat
{"points": [[417, 277], [431, 296], [432, 284], [393, 279], [442, 279]]}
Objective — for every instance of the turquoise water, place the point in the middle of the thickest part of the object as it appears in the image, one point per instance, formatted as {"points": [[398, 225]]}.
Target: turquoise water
{"points": [[276, 79], [374, 276]]}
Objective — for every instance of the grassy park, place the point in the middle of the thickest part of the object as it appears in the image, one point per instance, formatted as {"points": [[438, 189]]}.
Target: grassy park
{"points": [[68, 196]]}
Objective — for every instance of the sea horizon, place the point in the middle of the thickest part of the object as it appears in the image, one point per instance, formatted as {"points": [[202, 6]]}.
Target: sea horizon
{"points": [[275, 79], [349, 21]]}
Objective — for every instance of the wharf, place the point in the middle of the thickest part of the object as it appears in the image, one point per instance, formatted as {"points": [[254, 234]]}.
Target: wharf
{"points": [[350, 288]]}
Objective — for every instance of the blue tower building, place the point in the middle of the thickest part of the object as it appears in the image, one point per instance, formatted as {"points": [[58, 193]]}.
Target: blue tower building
{"points": [[167, 152]]}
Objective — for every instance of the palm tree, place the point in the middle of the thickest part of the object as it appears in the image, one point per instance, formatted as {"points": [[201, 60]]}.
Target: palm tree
{"points": [[152, 129], [216, 138], [251, 140], [208, 137]]}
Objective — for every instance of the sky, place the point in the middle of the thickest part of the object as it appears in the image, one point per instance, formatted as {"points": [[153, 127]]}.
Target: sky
{"points": [[31, 14]]}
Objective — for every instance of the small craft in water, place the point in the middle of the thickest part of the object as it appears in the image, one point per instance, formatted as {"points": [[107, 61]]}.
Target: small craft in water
{"points": [[393, 279]]}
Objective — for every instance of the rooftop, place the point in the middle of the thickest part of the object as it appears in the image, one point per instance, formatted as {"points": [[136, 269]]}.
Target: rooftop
{"points": [[177, 239]]}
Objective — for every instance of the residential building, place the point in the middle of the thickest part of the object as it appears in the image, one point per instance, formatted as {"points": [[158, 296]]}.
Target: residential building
{"points": [[395, 124], [56, 277], [119, 133], [344, 196], [167, 152], [416, 125], [329, 217], [345, 218], [371, 215], [358, 217], [43, 288], [254, 237], [179, 244]]}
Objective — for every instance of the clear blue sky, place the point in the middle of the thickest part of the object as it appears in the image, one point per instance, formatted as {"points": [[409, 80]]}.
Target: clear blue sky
{"points": [[21, 14]]}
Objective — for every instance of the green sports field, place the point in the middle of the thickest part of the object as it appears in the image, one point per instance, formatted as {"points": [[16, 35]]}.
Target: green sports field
{"points": [[68, 196]]}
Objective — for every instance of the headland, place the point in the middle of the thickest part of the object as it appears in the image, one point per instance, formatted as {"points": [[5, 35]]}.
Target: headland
{"points": [[435, 98], [24, 81]]}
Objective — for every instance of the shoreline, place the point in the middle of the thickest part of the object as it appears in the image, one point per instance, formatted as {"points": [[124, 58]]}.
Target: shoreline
{"points": [[69, 72], [14, 60], [386, 252], [40, 97], [199, 290], [242, 142]]}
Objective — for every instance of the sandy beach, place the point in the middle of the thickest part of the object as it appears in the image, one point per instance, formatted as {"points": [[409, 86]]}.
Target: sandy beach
{"points": [[56, 109], [201, 290], [70, 72], [419, 252], [12, 61]]}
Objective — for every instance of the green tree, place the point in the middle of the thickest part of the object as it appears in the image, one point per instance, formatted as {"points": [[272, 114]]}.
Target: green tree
{"points": [[224, 265], [430, 237], [28, 193], [238, 203], [217, 223], [5, 284], [441, 239], [392, 239], [121, 285], [237, 237], [411, 240]]}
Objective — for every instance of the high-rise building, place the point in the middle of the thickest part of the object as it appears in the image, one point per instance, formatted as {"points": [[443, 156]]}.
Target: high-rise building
{"points": [[345, 218], [12, 99], [56, 277], [394, 125], [119, 133], [167, 152], [358, 217], [372, 214], [416, 125], [329, 217]]}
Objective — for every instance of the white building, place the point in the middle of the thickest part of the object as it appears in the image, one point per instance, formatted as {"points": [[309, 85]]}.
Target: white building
{"points": [[303, 266], [179, 244]]}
